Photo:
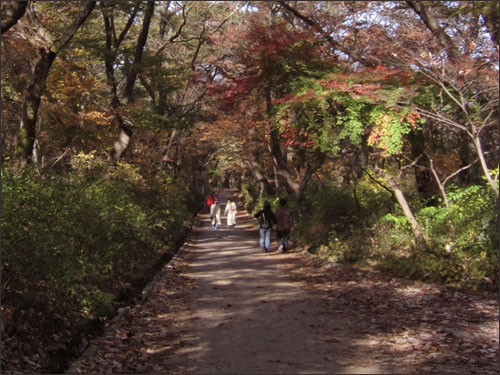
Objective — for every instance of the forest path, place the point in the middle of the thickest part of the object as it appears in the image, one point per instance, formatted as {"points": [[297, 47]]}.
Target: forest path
{"points": [[223, 307]]}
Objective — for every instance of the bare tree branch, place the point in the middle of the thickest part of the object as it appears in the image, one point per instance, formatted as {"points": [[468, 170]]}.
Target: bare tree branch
{"points": [[177, 34], [315, 26], [433, 25]]}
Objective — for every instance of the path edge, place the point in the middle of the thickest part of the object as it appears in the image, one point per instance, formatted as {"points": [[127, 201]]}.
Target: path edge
{"points": [[157, 280]]}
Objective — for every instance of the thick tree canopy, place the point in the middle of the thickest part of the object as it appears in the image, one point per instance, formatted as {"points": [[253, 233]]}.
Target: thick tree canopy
{"points": [[378, 120], [159, 73]]}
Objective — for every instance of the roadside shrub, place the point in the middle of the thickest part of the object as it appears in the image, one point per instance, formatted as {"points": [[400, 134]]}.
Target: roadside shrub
{"points": [[75, 247], [466, 236], [336, 222], [327, 212], [249, 196], [463, 247]]}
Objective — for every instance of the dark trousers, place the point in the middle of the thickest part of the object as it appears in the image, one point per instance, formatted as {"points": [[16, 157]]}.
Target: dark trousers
{"points": [[283, 236]]}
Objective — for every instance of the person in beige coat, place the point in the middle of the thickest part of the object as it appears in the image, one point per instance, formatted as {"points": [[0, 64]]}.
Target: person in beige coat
{"points": [[230, 212]]}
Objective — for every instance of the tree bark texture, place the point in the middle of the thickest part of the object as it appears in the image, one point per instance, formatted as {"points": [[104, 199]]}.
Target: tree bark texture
{"points": [[27, 131], [255, 165], [278, 154], [423, 178], [126, 96], [484, 165], [295, 182]]}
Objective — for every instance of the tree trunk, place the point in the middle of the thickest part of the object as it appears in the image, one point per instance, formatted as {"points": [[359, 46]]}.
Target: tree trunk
{"points": [[255, 165], [46, 56], [417, 230], [355, 55], [121, 145], [297, 183], [401, 199], [484, 165], [423, 179], [433, 25], [165, 155], [278, 154], [440, 184], [491, 19], [126, 97], [27, 131]]}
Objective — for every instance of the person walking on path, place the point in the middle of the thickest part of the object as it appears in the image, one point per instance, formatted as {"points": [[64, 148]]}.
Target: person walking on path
{"points": [[266, 221], [209, 200], [215, 214], [230, 211], [284, 225]]}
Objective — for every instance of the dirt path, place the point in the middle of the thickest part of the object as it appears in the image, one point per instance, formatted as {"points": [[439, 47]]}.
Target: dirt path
{"points": [[225, 308]]}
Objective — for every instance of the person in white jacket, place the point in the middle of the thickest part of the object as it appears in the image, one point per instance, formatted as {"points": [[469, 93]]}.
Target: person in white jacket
{"points": [[230, 211], [215, 214]]}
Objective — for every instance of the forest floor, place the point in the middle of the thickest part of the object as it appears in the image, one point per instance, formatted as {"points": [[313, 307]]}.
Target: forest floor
{"points": [[224, 307]]}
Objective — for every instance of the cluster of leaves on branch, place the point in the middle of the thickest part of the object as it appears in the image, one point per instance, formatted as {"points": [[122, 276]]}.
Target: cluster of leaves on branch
{"points": [[346, 106]]}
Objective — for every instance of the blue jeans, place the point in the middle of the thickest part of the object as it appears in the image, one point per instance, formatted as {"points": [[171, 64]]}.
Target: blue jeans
{"points": [[265, 238]]}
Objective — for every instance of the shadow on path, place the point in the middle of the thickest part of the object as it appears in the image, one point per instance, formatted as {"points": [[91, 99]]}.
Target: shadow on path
{"points": [[225, 307]]}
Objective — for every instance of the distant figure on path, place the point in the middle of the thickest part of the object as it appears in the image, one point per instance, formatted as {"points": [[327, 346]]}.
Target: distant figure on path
{"points": [[230, 211], [266, 221], [284, 225], [209, 200], [215, 214]]}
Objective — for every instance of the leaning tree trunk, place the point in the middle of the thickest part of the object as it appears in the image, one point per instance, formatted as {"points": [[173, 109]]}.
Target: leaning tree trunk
{"points": [[433, 25], [278, 154], [255, 166], [295, 180], [479, 148], [400, 197]]}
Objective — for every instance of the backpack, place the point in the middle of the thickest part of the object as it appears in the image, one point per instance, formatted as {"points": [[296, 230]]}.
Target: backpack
{"points": [[265, 224]]}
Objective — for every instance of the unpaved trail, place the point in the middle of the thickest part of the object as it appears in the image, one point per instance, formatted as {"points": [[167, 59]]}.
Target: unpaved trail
{"points": [[248, 316], [225, 308]]}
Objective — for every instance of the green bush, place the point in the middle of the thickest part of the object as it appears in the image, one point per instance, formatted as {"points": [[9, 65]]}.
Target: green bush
{"points": [[369, 228], [463, 247], [77, 245], [249, 196], [328, 212], [336, 222]]}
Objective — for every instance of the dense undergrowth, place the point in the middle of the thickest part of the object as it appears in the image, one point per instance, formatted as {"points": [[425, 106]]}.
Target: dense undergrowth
{"points": [[367, 228], [76, 247]]}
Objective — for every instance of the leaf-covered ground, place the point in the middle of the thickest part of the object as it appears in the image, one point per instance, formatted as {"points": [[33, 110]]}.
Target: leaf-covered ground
{"points": [[224, 307]]}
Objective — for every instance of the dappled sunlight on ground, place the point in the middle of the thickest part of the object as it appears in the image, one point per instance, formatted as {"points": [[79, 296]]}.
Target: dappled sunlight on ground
{"points": [[226, 307]]}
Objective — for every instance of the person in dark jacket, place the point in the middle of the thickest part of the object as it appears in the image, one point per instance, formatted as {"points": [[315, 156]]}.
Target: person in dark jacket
{"points": [[266, 221], [284, 225]]}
